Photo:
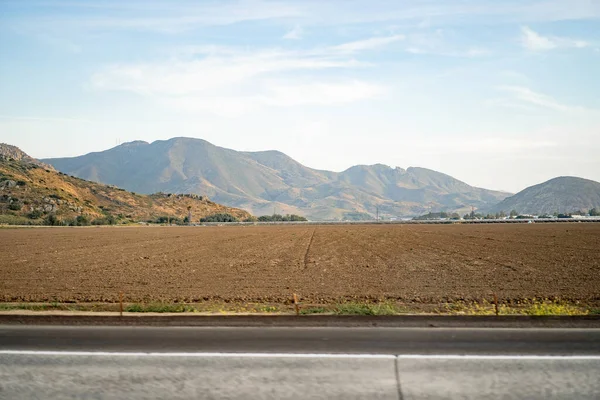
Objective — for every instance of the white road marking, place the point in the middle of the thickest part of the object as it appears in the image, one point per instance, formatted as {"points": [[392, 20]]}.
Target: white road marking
{"points": [[197, 355], [305, 355], [496, 357]]}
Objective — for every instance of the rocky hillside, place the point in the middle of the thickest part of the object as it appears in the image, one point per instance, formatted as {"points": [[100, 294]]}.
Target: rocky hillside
{"points": [[29, 193], [565, 194], [8, 152], [262, 182]]}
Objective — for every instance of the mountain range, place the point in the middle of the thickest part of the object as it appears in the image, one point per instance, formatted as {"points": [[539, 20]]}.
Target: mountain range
{"points": [[269, 181], [31, 191]]}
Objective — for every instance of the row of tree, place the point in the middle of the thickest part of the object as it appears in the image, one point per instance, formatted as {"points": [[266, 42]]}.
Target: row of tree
{"points": [[224, 217], [281, 218], [80, 220]]}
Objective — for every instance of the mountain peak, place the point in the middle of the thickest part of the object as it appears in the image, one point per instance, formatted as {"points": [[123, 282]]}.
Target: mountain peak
{"points": [[13, 152], [10, 152], [264, 180], [135, 143], [563, 194]]}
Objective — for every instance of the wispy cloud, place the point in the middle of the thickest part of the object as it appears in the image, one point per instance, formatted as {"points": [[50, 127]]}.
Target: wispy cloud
{"points": [[534, 41], [527, 96], [213, 72], [178, 15], [231, 81], [295, 33], [473, 52], [367, 44], [171, 17], [276, 94]]}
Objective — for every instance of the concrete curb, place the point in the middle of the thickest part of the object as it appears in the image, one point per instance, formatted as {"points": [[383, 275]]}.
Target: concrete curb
{"points": [[404, 321]]}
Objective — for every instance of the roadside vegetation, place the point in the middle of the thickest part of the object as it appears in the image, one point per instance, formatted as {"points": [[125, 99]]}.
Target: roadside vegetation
{"points": [[526, 308], [160, 308], [534, 307], [367, 309]]}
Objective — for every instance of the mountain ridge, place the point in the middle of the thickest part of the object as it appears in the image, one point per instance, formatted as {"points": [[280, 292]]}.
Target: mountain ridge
{"points": [[10, 152], [264, 181], [30, 193], [563, 194]]}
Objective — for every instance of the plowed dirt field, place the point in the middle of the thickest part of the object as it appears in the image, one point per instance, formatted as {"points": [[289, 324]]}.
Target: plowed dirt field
{"points": [[323, 264]]}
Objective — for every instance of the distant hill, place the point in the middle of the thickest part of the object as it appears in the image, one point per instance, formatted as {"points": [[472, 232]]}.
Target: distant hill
{"points": [[268, 181], [29, 192], [565, 194]]}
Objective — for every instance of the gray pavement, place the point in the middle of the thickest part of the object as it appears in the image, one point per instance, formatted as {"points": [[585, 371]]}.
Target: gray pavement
{"points": [[296, 363], [302, 340], [60, 377]]}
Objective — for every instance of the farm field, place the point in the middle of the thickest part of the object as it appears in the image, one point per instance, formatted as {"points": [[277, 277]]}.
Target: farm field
{"points": [[322, 264]]}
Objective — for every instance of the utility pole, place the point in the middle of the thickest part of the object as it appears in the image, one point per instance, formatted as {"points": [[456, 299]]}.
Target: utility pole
{"points": [[377, 213]]}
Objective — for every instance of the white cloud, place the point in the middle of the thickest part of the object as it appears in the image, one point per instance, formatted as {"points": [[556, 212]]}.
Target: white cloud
{"points": [[214, 72], [367, 44], [182, 15], [230, 82], [474, 52], [532, 40], [526, 96], [171, 17], [276, 94], [295, 33]]}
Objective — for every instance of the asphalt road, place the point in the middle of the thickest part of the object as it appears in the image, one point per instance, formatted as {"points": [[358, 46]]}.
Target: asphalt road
{"points": [[303, 340], [298, 363]]}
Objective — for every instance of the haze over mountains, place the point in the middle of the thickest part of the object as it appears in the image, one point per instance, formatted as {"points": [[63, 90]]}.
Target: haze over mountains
{"points": [[267, 181]]}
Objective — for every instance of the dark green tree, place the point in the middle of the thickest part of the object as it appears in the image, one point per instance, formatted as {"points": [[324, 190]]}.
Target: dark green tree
{"points": [[221, 217]]}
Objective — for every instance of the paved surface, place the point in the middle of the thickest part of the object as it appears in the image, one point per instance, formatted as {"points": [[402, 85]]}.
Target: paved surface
{"points": [[70, 318], [302, 340], [297, 363]]}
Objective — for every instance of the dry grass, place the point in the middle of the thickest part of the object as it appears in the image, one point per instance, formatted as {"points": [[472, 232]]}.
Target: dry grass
{"points": [[525, 307]]}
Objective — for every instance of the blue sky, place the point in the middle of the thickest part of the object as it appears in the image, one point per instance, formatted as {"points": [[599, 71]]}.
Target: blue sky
{"points": [[500, 94]]}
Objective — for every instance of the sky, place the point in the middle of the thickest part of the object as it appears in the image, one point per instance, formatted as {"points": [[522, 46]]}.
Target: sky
{"points": [[499, 94]]}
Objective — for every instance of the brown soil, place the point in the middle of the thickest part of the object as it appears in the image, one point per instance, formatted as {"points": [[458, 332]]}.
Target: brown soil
{"points": [[323, 264]]}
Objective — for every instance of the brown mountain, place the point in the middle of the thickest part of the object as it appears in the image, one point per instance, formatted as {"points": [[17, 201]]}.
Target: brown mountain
{"points": [[262, 182], [29, 192], [565, 194], [8, 152]]}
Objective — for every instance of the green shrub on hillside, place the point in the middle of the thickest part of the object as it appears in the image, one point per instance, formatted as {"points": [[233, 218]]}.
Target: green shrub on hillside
{"points": [[35, 214], [107, 220], [52, 220], [6, 219], [15, 206], [166, 220], [82, 220]]}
